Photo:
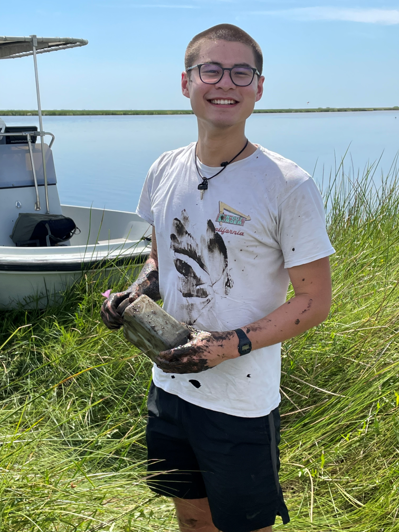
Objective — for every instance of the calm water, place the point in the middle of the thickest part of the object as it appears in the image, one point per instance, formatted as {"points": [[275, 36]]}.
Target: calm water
{"points": [[103, 160]]}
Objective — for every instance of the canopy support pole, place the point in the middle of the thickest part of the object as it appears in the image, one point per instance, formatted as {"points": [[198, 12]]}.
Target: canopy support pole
{"points": [[39, 110], [32, 162]]}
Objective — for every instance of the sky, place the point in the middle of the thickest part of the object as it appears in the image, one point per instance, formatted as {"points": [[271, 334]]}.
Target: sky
{"points": [[338, 53]]}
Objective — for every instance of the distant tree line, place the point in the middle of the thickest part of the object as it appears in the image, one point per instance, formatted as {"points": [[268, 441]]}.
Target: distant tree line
{"points": [[101, 112]]}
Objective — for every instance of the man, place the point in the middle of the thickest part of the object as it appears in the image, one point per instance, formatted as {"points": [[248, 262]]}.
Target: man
{"points": [[233, 223]]}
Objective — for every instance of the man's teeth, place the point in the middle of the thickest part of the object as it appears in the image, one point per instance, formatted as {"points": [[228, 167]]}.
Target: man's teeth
{"points": [[223, 102]]}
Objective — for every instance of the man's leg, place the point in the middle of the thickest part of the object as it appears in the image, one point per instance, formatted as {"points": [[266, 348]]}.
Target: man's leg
{"points": [[195, 514], [187, 446]]}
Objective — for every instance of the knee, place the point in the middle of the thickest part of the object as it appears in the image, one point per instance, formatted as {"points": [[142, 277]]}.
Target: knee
{"points": [[186, 524], [194, 514]]}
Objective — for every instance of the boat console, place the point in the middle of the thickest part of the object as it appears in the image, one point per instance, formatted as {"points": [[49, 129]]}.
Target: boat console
{"points": [[22, 180]]}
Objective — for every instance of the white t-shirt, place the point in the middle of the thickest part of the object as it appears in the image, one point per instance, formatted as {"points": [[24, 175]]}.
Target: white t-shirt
{"points": [[223, 262]]}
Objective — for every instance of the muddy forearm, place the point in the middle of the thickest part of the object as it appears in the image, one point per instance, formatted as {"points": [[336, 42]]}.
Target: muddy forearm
{"points": [[147, 282]]}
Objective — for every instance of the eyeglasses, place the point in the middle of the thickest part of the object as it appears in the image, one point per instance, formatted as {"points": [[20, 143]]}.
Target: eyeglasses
{"points": [[212, 73]]}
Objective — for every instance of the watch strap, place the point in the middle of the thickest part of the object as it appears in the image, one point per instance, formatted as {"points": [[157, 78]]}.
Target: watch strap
{"points": [[244, 344]]}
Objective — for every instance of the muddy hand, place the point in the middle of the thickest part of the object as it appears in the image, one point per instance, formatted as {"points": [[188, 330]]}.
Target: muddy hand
{"points": [[205, 350], [112, 309]]}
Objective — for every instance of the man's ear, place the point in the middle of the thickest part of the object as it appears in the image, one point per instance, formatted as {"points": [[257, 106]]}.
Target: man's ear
{"points": [[259, 90], [185, 85]]}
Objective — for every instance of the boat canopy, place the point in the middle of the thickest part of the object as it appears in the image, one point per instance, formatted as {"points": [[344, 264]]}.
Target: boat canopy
{"points": [[13, 47]]}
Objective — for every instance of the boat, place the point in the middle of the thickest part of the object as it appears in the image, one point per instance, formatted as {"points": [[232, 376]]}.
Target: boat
{"points": [[37, 267]]}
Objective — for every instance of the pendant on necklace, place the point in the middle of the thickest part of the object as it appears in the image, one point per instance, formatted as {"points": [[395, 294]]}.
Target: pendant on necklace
{"points": [[202, 187]]}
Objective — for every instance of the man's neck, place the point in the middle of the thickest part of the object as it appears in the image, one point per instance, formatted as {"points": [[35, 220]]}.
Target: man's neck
{"points": [[214, 148]]}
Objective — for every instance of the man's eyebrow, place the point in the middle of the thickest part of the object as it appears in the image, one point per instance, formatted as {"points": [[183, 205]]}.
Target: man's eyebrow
{"points": [[235, 64], [243, 65]]}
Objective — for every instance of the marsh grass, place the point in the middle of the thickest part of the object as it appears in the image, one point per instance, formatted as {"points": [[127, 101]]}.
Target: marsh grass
{"points": [[83, 112], [72, 397]]}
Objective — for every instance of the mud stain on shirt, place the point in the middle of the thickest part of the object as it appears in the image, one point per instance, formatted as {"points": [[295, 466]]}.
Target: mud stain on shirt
{"points": [[202, 265]]}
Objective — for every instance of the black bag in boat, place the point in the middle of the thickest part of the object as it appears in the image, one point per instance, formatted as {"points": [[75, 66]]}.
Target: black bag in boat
{"points": [[32, 229]]}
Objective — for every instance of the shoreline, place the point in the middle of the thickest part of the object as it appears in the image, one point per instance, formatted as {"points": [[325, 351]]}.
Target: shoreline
{"points": [[102, 112]]}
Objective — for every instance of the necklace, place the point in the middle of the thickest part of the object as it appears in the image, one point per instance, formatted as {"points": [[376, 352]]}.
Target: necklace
{"points": [[204, 185]]}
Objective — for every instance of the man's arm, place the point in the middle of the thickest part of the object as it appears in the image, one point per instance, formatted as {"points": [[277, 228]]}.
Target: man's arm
{"points": [[146, 283], [309, 307]]}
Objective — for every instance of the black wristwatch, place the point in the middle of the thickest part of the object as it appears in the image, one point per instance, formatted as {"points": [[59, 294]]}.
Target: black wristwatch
{"points": [[244, 346]]}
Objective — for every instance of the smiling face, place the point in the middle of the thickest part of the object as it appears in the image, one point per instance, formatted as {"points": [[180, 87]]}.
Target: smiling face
{"points": [[222, 105]]}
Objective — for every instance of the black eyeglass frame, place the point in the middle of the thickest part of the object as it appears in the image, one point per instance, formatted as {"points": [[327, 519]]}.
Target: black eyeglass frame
{"points": [[254, 71]]}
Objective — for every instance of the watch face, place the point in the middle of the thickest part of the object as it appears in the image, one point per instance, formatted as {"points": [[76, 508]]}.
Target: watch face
{"points": [[246, 348], [244, 345]]}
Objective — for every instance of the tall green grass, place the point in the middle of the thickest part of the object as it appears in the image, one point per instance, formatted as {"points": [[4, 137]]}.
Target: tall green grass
{"points": [[72, 398]]}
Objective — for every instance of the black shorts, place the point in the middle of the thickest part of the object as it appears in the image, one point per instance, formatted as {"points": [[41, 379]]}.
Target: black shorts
{"points": [[234, 461]]}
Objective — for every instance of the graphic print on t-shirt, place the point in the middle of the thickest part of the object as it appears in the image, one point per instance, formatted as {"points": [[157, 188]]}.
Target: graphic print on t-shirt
{"points": [[229, 215], [203, 266]]}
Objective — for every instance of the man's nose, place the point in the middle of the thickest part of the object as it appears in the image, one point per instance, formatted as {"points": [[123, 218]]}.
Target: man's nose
{"points": [[225, 82]]}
